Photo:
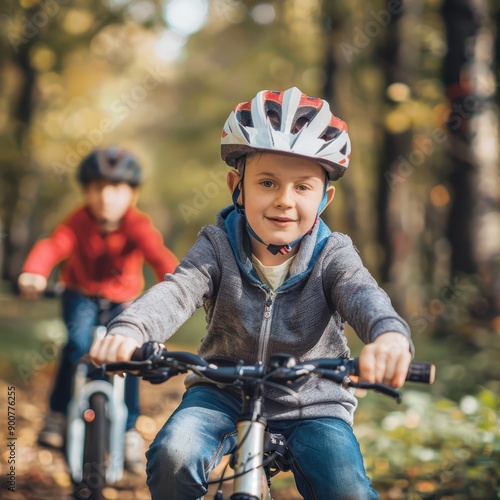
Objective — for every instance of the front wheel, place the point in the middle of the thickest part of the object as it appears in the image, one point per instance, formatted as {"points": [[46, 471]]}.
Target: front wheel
{"points": [[96, 450]]}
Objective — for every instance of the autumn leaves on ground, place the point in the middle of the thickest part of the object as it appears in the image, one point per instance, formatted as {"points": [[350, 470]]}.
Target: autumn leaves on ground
{"points": [[42, 473]]}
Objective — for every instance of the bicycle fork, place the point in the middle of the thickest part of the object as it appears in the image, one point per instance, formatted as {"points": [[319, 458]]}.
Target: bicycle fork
{"points": [[76, 429]]}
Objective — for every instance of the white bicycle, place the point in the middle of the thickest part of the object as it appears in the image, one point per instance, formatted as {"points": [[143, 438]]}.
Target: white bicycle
{"points": [[97, 419], [259, 455]]}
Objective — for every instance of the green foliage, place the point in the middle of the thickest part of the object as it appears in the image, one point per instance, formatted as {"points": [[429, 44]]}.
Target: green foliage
{"points": [[443, 441], [433, 447]]}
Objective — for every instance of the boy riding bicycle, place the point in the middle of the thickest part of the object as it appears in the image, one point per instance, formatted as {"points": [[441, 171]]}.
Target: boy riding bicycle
{"points": [[272, 279], [103, 245]]}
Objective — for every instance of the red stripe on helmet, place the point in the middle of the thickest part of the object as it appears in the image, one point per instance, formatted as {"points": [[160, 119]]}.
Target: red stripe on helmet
{"points": [[337, 122], [272, 95], [306, 100], [244, 106]]}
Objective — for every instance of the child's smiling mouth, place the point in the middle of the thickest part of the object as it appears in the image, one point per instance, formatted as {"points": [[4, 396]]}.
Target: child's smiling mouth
{"points": [[281, 221]]}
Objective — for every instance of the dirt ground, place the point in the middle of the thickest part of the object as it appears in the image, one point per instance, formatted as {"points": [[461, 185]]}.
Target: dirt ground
{"points": [[42, 474]]}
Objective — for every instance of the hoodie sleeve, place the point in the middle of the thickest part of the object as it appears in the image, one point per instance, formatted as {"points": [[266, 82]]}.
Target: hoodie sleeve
{"points": [[356, 295], [158, 313], [141, 229], [48, 252]]}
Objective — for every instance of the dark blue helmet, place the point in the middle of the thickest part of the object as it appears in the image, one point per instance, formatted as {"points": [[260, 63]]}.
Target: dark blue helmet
{"points": [[111, 164]]}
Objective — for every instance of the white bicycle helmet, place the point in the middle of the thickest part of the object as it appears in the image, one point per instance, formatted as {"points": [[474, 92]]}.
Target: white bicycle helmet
{"points": [[288, 122]]}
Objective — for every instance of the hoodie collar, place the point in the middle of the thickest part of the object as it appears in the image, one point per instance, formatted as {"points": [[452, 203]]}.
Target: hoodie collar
{"points": [[311, 246]]}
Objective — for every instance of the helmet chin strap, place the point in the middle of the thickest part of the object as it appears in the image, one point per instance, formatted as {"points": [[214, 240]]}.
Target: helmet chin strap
{"points": [[271, 247]]}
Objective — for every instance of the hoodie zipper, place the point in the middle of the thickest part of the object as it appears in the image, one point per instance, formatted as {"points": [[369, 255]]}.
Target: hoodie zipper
{"points": [[265, 331]]}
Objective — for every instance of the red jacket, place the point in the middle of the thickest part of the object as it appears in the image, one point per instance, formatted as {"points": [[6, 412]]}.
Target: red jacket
{"points": [[108, 265]]}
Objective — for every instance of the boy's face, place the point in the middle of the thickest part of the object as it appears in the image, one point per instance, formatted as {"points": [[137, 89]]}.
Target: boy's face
{"points": [[281, 195], [108, 201]]}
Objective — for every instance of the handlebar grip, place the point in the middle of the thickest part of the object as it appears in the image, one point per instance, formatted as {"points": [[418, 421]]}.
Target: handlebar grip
{"points": [[421, 371], [137, 355], [147, 350], [54, 291]]}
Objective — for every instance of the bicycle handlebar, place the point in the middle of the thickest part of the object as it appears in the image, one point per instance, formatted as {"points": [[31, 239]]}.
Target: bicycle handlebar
{"points": [[54, 290], [281, 369]]}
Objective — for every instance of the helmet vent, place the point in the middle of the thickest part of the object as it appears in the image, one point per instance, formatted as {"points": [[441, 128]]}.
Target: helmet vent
{"points": [[273, 113], [343, 150], [112, 162], [244, 117], [303, 115], [331, 133], [299, 124], [112, 156], [274, 118]]}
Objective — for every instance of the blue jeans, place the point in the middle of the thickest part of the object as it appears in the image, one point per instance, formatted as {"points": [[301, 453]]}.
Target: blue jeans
{"points": [[326, 459], [81, 314]]}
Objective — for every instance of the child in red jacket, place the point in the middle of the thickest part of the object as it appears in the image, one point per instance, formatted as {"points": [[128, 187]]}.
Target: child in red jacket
{"points": [[103, 245]]}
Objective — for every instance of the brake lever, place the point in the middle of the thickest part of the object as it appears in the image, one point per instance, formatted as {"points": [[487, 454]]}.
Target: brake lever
{"points": [[382, 388], [336, 376]]}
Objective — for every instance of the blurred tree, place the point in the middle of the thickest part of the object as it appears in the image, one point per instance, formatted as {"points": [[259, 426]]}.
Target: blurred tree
{"points": [[397, 59], [334, 19], [350, 84], [470, 83], [19, 180], [36, 38]]}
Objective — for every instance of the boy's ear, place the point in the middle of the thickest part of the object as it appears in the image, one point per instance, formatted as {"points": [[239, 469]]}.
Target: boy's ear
{"points": [[232, 180], [330, 194]]}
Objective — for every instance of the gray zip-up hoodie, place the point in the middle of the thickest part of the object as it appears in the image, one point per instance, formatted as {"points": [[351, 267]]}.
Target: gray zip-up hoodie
{"points": [[304, 317]]}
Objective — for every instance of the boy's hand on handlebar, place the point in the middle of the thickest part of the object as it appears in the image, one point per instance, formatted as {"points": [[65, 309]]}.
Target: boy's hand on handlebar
{"points": [[386, 360], [31, 285], [112, 348]]}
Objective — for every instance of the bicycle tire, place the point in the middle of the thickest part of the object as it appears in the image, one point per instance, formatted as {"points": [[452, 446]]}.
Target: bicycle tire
{"points": [[95, 452]]}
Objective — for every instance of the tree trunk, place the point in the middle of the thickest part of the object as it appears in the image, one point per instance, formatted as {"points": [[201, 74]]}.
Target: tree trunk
{"points": [[333, 23], [397, 230], [474, 220], [337, 90], [25, 180]]}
